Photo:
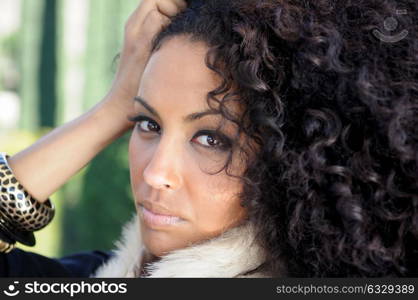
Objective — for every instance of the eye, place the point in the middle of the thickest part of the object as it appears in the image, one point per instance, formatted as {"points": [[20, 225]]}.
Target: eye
{"points": [[146, 124], [211, 139], [208, 140]]}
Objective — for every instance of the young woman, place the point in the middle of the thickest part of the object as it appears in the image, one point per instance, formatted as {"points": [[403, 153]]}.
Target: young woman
{"points": [[176, 142], [272, 138]]}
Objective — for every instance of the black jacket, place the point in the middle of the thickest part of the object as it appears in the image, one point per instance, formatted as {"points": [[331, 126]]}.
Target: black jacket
{"points": [[20, 263]]}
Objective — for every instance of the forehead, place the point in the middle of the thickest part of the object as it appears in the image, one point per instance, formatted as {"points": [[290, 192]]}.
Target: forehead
{"points": [[177, 74]]}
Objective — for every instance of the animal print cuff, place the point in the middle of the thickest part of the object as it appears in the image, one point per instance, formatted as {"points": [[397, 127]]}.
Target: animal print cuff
{"points": [[20, 213]]}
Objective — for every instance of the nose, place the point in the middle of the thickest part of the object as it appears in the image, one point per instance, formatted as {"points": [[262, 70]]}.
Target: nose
{"points": [[163, 169]]}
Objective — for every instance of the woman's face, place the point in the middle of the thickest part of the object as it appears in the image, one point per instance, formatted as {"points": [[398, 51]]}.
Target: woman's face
{"points": [[173, 148]]}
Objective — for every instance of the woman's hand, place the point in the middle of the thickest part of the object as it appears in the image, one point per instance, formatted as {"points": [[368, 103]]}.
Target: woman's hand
{"points": [[143, 24]]}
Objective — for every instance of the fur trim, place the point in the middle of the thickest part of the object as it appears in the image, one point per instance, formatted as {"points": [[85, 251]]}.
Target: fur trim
{"points": [[127, 253], [232, 254]]}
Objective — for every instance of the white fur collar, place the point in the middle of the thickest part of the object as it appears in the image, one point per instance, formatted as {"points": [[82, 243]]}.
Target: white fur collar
{"points": [[232, 254]]}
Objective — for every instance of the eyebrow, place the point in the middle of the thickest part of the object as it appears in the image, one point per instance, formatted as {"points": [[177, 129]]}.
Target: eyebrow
{"points": [[189, 118]]}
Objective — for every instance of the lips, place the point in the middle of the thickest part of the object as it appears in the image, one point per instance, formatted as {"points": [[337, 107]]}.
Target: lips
{"points": [[155, 209], [156, 219]]}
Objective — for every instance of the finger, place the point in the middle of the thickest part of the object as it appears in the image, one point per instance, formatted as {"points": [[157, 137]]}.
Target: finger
{"points": [[182, 4], [154, 21], [166, 8], [136, 19], [143, 8], [171, 8]]}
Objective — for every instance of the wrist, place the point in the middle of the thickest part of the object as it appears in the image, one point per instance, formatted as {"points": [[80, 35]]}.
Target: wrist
{"points": [[109, 120], [20, 213]]}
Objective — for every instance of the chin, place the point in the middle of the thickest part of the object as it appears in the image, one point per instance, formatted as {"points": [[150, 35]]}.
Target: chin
{"points": [[157, 242], [156, 252], [156, 247]]}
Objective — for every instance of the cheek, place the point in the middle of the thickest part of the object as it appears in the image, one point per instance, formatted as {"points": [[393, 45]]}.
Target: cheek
{"points": [[133, 157], [131, 150], [217, 206], [137, 153], [216, 198]]}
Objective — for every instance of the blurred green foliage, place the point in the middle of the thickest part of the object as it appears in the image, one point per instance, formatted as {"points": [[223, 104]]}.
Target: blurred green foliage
{"points": [[92, 206], [104, 205]]}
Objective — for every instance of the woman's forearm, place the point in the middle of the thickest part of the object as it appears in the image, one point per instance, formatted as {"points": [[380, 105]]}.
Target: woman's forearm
{"points": [[47, 164]]}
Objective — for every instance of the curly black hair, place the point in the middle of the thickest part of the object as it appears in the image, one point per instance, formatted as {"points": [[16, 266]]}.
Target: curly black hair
{"points": [[330, 96]]}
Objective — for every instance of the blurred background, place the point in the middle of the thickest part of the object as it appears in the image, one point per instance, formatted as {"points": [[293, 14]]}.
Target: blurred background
{"points": [[57, 59]]}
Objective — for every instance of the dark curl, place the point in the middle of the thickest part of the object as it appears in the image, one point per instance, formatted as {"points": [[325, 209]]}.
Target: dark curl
{"points": [[333, 110]]}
